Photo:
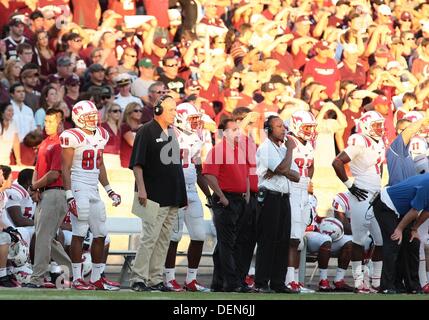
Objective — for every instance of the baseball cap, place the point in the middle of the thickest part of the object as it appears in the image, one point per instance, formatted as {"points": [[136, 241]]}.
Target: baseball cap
{"points": [[304, 19], [146, 63], [190, 83], [53, 78], [161, 42], [64, 61], [72, 80], [322, 45], [95, 67], [406, 16], [16, 20], [380, 100], [384, 10], [268, 87]]}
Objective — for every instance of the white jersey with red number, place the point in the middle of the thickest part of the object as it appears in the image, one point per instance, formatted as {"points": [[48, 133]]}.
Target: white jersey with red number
{"points": [[88, 152], [190, 150], [367, 157], [17, 196], [303, 158], [417, 146], [341, 203]]}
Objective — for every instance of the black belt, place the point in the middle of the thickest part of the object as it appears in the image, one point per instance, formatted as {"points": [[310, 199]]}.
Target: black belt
{"points": [[51, 188], [233, 194], [277, 193]]}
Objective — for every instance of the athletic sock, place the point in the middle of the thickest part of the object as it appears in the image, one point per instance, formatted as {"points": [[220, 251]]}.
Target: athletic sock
{"points": [[170, 274], [77, 271], [340, 274], [96, 271], [191, 275]]}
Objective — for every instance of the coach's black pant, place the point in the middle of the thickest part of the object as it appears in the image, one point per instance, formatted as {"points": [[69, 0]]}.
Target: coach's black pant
{"points": [[273, 235], [388, 221], [246, 239], [226, 219]]}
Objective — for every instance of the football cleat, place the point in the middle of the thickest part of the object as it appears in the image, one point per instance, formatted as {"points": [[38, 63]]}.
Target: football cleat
{"points": [[303, 289], [342, 286], [425, 288], [324, 286], [294, 286], [80, 284], [173, 286], [250, 280], [194, 286], [361, 289], [373, 289], [110, 282], [101, 285]]}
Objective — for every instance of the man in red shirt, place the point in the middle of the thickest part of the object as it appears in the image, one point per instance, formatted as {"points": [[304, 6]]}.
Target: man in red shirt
{"points": [[323, 69], [226, 172], [350, 68], [47, 188]]}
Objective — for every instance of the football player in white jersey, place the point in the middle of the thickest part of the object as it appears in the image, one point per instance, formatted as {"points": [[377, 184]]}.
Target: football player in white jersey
{"points": [[303, 133], [365, 152], [20, 207], [5, 237], [83, 168], [188, 122], [325, 247]]}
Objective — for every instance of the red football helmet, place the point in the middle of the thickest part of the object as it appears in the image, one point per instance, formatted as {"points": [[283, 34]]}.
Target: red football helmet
{"points": [[303, 124], [85, 115], [371, 123]]}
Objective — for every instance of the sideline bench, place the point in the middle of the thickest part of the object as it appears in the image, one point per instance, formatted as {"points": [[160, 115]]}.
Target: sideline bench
{"points": [[133, 226]]}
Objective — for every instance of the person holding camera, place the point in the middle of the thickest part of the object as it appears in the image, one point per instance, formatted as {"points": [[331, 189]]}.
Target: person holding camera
{"points": [[274, 219]]}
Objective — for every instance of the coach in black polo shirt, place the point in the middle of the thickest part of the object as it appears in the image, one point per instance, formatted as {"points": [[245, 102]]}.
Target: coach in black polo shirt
{"points": [[159, 177]]}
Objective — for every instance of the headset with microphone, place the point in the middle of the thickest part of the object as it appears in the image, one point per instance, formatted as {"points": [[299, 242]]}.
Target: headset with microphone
{"points": [[158, 109]]}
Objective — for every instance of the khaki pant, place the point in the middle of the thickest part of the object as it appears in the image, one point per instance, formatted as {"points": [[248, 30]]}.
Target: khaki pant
{"points": [[154, 242], [49, 217]]}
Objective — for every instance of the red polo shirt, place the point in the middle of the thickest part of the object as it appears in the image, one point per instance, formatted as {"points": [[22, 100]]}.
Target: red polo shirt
{"points": [[326, 74], [49, 158], [358, 77], [228, 165]]}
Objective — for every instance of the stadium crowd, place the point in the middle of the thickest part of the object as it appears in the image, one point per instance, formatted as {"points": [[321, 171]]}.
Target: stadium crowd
{"points": [[333, 86]]}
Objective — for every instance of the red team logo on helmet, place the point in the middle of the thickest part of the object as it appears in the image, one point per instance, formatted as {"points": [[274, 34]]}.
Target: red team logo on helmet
{"points": [[303, 125], [371, 123], [188, 118], [85, 115]]}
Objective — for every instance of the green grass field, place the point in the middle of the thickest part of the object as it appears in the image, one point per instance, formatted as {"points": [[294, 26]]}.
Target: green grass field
{"points": [[28, 294]]}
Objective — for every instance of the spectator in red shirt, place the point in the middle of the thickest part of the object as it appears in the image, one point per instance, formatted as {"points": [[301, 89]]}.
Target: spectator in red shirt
{"points": [[111, 120], [131, 122], [323, 69], [241, 46], [278, 50], [342, 9], [420, 67], [350, 69], [47, 188], [226, 172], [409, 103]]}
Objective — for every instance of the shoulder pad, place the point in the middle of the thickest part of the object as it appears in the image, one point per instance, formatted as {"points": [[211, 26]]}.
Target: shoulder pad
{"points": [[341, 202], [359, 140], [71, 138]]}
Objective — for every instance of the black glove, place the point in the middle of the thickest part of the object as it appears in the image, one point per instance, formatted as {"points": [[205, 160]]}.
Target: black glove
{"points": [[15, 236], [360, 194], [209, 202]]}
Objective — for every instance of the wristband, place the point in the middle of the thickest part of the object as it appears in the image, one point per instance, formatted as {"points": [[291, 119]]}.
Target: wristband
{"points": [[69, 194], [348, 183], [108, 188]]}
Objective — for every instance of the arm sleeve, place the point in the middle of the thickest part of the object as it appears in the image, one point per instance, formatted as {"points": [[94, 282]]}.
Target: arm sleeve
{"points": [[420, 201]]}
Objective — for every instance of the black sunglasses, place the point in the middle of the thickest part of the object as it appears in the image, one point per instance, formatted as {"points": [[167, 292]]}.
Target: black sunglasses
{"points": [[106, 96], [116, 111]]}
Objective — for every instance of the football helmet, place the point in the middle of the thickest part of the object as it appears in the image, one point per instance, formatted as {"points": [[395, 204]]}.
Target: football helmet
{"points": [[332, 227], [414, 116], [371, 124], [188, 118], [85, 115], [303, 125], [18, 253]]}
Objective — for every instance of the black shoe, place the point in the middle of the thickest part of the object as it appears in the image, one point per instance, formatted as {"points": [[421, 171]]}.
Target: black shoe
{"points": [[139, 287], [160, 287], [7, 282], [264, 290], [247, 289], [388, 291]]}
